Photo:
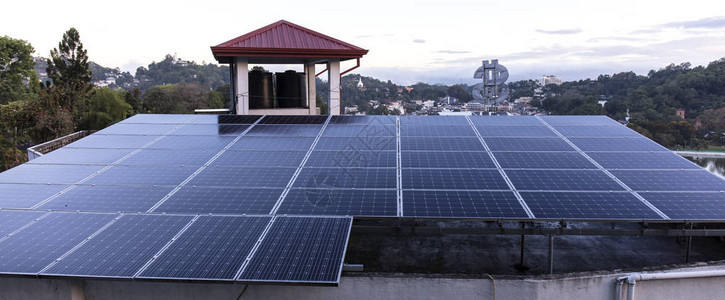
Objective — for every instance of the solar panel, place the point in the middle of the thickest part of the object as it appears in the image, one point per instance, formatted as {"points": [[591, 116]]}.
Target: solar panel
{"points": [[599, 131], [193, 142], [33, 248], [26, 195], [562, 180], [617, 144], [352, 159], [121, 249], [641, 160], [527, 144], [293, 120], [226, 119], [142, 175], [161, 119], [670, 180], [340, 202], [211, 129], [441, 144], [462, 204], [440, 131], [453, 179], [363, 120], [357, 143], [689, 206], [587, 205], [543, 160], [101, 198], [515, 131], [11, 220], [580, 121], [505, 121], [261, 158], [432, 120], [183, 157], [37, 173], [359, 131], [285, 130], [448, 159], [298, 249], [82, 156], [266, 143], [113, 141], [355, 178], [216, 200], [139, 129], [214, 247], [261, 177]]}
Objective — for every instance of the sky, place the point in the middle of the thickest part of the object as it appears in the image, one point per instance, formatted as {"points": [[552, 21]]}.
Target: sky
{"points": [[409, 41]]}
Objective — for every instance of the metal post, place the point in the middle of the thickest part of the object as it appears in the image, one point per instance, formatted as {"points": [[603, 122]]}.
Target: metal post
{"points": [[522, 263], [551, 254], [689, 247]]}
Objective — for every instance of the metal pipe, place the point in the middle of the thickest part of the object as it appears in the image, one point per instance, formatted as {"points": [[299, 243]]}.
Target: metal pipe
{"points": [[353, 68], [618, 289], [632, 279], [323, 71], [689, 247], [551, 254]]}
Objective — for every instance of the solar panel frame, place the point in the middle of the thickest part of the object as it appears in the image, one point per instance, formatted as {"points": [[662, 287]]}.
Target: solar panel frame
{"points": [[251, 177], [25, 196], [543, 160], [221, 200], [340, 202], [447, 159], [346, 178], [588, 205], [460, 179], [99, 198], [688, 206], [641, 160], [670, 180], [142, 175], [96, 141], [462, 204], [562, 180], [617, 144], [527, 144], [48, 173], [12, 220], [82, 156]]}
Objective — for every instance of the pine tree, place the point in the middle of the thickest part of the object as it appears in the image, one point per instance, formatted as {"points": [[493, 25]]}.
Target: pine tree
{"points": [[69, 71]]}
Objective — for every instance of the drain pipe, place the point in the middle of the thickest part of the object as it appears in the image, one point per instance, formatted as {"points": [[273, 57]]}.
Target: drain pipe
{"points": [[632, 279]]}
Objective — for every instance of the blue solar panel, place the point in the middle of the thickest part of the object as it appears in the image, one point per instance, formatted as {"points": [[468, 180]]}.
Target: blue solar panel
{"points": [[671, 180], [143, 175], [462, 204], [517, 131], [357, 143], [441, 144], [453, 179], [441, 131], [357, 178], [211, 129], [432, 120], [184, 157], [641, 160], [562, 180], [340, 202], [60, 174], [543, 160], [121, 249], [162, 119], [211, 248], [26, 195], [448, 159], [101, 198], [217, 200], [226, 119], [587, 205], [364, 120], [35, 247], [223, 176], [580, 121], [139, 129], [527, 144], [352, 159], [617, 144], [266, 143], [11, 220], [505, 121], [359, 130], [293, 120], [113, 141], [193, 142], [261, 158], [689, 206], [285, 130], [300, 249], [600, 131], [82, 156]]}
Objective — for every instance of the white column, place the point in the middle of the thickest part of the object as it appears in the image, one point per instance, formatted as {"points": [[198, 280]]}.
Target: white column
{"points": [[242, 85], [333, 77], [311, 89]]}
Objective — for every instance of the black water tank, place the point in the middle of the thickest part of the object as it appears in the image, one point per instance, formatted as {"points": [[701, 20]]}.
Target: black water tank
{"points": [[260, 89], [291, 89]]}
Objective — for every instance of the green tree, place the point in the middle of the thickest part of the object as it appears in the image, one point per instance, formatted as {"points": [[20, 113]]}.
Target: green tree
{"points": [[69, 71], [459, 92], [18, 79], [105, 107]]}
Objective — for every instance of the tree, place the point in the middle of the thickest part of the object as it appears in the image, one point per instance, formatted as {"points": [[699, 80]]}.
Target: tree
{"points": [[18, 79], [105, 107], [459, 92], [69, 71]]}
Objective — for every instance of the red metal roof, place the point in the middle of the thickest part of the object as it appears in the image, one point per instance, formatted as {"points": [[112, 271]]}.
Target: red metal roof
{"points": [[283, 39]]}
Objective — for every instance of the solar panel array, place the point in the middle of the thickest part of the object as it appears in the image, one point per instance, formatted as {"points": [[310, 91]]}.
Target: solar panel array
{"points": [[271, 198]]}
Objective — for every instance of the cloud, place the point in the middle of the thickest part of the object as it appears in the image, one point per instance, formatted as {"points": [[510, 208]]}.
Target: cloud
{"points": [[419, 41], [452, 52], [560, 31], [706, 23]]}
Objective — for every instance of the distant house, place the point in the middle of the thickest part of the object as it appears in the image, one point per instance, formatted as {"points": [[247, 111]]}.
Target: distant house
{"points": [[549, 79], [681, 113]]}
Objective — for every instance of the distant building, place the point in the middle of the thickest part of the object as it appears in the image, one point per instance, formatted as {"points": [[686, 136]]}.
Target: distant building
{"points": [[523, 100], [681, 113], [360, 85], [474, 105], [602, 102], [549, 79]]}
